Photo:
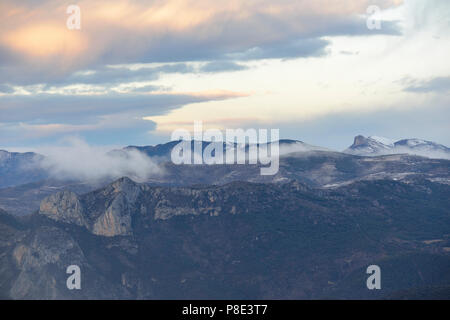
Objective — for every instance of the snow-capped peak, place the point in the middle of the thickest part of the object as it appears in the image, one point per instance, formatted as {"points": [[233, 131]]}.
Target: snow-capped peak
{"points": [[416, 142], [375, 146]]}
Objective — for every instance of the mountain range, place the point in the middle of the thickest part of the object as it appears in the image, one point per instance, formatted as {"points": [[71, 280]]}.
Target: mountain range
{"points": [[22, 168], [375, 146], [227, 232], [27, 178], [18, 168], [237, 241]]}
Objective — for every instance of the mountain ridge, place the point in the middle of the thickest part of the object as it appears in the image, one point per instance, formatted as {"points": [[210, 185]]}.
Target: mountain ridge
{"points": [[376, 146], [283, 241]]}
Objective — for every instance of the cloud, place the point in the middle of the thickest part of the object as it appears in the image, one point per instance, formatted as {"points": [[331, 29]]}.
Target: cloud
{"points": [[35, 44], [45, 40], [74, 159], [103, 130], [111, 75], [222, 66], [346, 52], [437, 85], [102, 79], [147, 88], [66, 108], [96, 117], [428, 121], [101, 75], [4, 88], [424, 152], [284, 50]]}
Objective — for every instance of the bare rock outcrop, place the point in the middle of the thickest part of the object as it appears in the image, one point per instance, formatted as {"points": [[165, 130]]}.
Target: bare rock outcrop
{"points": [[116, 220], [109, 217], [50, 248], [63, 206]]}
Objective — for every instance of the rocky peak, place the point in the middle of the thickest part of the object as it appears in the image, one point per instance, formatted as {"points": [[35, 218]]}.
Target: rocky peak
{"points": [[116, 220], [359, 140], [375, 145], [372, 145], [63, 206], [127, 187], [113, 210]]}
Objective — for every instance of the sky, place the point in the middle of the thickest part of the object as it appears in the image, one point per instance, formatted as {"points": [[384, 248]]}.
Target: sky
{"points": [[135, 71]]}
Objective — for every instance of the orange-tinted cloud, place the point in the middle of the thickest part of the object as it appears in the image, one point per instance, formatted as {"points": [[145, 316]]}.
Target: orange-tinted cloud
{"points": [[46, 41], [124, 31]]}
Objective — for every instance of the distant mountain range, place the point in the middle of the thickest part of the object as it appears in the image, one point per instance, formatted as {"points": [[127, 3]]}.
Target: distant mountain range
{"points": [[375, 146], [370, 146], [162, 152], [25, 181], [317, 169], [21, 168], [228, 232]]}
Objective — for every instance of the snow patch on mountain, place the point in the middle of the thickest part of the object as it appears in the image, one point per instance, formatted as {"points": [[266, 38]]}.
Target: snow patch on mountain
{"points": [[376, 146], [383, 141]]}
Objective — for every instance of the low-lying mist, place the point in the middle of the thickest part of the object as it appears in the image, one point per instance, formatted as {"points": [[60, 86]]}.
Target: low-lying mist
{"points": [[423, 152], [74, 159]]}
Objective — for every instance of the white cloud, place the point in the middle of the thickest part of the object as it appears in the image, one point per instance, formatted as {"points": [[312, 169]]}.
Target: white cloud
{"points": [[76, 160]]}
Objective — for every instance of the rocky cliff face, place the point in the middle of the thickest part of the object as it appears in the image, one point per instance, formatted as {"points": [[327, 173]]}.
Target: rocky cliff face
{"points": [[65, 207], [110, 218], [315, 169], [48, 248], [237, 241], [359, 140], [113, 210], [371, 146], [116, 220]]}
